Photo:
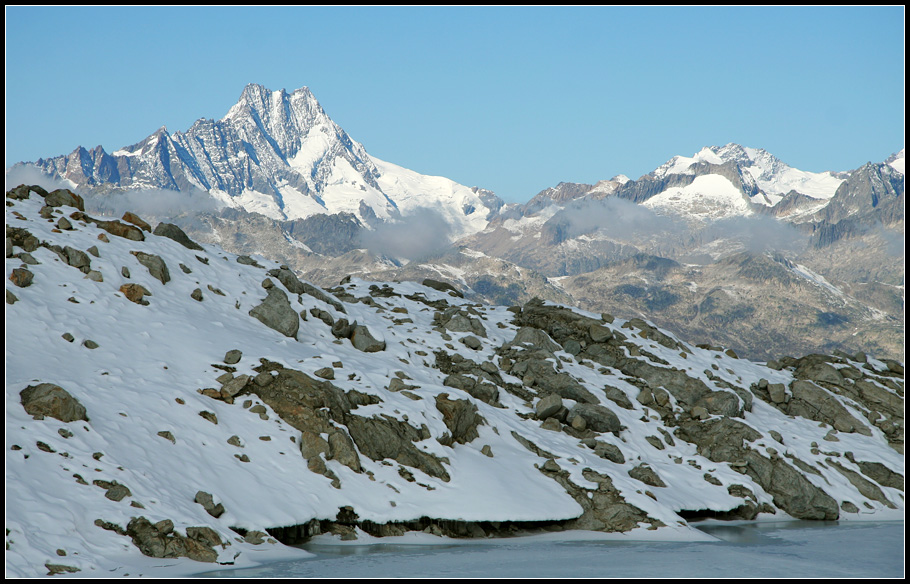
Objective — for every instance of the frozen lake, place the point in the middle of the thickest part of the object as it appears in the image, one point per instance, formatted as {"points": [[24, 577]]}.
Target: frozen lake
{"points": [[794, 549]]}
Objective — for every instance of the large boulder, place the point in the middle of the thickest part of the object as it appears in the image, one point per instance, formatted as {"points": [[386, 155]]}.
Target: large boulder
{"points": [[47, 399], [62, 197], [596, 417], [173, 232], [276, 313], [363, 340]]}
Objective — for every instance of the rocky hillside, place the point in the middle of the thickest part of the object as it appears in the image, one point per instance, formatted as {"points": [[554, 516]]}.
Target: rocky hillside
{"points": [[167, 399]]}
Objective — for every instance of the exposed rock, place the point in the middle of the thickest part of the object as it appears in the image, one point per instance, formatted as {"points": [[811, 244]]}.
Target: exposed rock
{"points": [[130, 217], [811, 401], [609, 452], [442, 287], [295, 286], [159, 540], [173, 232], [197, 295], [119, 229], [276, 313], [115, 491], [233, 356], [47, 399], [363, 340], [61, 197], [460, 417], [156, 266], [597, 417], [77, 259], [248, 261], [21, 277], [646, 474], [135, 293], [325, 373], [547, 406], [208, 503], [726, 440]]}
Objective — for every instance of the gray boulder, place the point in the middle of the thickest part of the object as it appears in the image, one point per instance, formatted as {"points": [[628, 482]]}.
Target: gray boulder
{"points": [[364, 341], [597, 417], [155, 265], [276, 313]]}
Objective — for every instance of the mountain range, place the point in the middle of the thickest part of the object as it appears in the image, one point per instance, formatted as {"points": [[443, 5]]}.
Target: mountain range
{"points": [[784, 261], [173, 407]]}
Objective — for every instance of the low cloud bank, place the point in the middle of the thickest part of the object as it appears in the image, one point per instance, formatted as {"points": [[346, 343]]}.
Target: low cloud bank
{"points": [[415, 237]]}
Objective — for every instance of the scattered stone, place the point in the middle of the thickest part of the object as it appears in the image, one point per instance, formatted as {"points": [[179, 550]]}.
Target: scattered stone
{"points": [[325, 373], [196, 295], [646, 474], [68, 337], [156, 266], [233, 356], [115, 491], [95, 276], [211, 417], [11, 298], [89, 344], [208, 503], [64, 224], [235, 441], [135, 293], [166, 434]]}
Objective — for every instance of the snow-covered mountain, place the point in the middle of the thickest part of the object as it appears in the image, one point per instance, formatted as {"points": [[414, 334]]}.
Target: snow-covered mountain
{"points": [[281, 155], [166, 399]]}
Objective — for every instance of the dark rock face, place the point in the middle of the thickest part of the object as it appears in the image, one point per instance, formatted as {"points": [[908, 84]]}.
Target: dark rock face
{"points": [[460, 417], [726, 440], [47, 399]]}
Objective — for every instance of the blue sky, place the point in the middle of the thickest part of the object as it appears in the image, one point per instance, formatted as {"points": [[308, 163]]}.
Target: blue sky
{"points": [[509, 99]]}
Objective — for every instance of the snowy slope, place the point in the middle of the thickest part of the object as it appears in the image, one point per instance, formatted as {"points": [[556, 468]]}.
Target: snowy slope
{"points": [[145, 375]]}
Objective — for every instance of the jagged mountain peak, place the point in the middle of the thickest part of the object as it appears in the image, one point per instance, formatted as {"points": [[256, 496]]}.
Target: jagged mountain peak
{"points": [[279, 154]]}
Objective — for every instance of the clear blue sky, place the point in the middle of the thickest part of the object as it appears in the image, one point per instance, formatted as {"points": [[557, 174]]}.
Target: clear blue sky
{"points": [[510, 99]]}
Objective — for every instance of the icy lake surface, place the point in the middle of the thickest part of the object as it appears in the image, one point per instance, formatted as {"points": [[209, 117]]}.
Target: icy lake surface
{"points": [[794, 549]]}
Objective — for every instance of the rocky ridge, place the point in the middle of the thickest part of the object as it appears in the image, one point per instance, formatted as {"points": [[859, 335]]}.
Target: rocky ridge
{"points": [[198, 404]]}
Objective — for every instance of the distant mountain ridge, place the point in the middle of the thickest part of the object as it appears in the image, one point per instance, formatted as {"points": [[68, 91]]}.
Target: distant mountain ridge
{"points": [[281, 155]]}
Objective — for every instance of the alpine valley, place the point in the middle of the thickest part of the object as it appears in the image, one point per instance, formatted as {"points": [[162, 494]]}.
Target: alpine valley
{"points": [[230, 340]]}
